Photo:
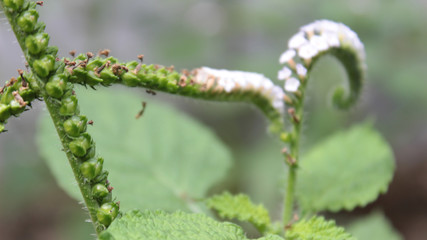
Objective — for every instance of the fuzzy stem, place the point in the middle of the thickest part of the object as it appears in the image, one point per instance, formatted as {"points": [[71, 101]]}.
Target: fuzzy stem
{"points": [[53, 109]]}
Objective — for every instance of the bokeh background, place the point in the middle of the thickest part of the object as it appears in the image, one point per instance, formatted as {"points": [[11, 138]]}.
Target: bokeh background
{"points": [[234, 34]]}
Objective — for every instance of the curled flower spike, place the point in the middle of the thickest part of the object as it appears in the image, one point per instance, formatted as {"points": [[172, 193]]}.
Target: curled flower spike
{"points": [[314, 40]]}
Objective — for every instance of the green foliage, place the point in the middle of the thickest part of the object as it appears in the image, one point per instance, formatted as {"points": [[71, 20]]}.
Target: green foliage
{"points": [[317, 228], [162, 160], [240, 207], [374, 226], [160, 225], [349, 169]]}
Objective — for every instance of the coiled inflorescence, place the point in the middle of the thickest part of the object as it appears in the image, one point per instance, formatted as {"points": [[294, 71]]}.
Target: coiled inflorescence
{"points": [[204, 82], [316, 39], [51, 82]]}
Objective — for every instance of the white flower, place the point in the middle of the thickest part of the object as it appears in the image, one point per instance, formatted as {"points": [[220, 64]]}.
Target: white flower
{"points": [[301, 70], [292, 84], [331, 38], [319, 43], [284, 73], [297, 40], [287, 55], [327, 26], [307, 51]]}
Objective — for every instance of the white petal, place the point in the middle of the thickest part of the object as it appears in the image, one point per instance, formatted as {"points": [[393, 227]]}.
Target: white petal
{"points": [[307, 51], [297, 40], [319, 43], [301, 70], [331, 38], [287, 55], [284, 73], [292, 85]]}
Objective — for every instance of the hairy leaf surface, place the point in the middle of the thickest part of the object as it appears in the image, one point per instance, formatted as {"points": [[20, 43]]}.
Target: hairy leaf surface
{"points": [[240, 207], [160, 225], [317, 228], [162, 160], [349, 169]]}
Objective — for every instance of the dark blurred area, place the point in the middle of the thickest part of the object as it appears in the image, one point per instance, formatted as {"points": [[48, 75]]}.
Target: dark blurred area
{"points": [[243, 35]]}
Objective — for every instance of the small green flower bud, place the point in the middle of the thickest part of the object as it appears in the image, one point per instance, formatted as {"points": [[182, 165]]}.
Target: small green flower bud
{"points": [[4, 112], [37, 43], [107, 198], [92, 168], [75, 125], [92, 79], [15, 107], [285, 137], [99, 191], [92, 65], [107, 213], [27, 21], [80, 145], [79, 74], [90, 153], [27, 94], [69, 106], [108, 77], [130, 79], [14, 4], [56, 86], [44, 65]]}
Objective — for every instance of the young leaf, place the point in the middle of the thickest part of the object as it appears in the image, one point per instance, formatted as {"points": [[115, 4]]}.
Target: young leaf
{"points": [[375, 226], [349, 169], [162, 160], [160, 225], [240, 207], [317, 228]]}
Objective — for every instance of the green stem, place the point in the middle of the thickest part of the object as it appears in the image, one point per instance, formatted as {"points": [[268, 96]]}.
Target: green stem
{"points": [[293, 158], [53, 108]]}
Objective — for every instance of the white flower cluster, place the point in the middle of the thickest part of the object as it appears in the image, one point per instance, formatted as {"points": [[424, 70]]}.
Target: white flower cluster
{"points": [[230, 81], [312, 39]]}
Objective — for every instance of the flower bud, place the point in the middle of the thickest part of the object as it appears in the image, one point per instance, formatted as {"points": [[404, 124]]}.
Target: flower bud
{"points": [[75, 125], [108, 77], [27, 21], [4, 112], [68, 106], [44, 65], [37, 43], [90, 153], [92, 79], [56, 86], [99, 191], [16, 108], [130, 79], [14, 4], [80, 145], [107, 213], [92, 168]]}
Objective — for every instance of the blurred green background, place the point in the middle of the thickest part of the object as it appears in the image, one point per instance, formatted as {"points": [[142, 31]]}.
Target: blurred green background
{"points": [[245, 35]]}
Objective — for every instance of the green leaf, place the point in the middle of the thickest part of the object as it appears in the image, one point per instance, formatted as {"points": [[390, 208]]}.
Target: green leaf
{"points": [[349, 169], [161, 161], [160, 225], [374, 226], [240, 207], [317, 228]]}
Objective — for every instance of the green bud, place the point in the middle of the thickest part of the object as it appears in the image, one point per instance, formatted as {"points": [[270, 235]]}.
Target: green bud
{"points": [[102, 177], [92, 65], [75, 125], [130, 79], [69, 106], [44, 65], [107, 213], [285, 137], [99, 191], [56, 86], [108, 77], [37, 43], [92, 168], [90, 153], [27, 21], [15, 107], [92, 79], [80, 74], [107, 198], [4, 112], [80, 145], [14, 4]]}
